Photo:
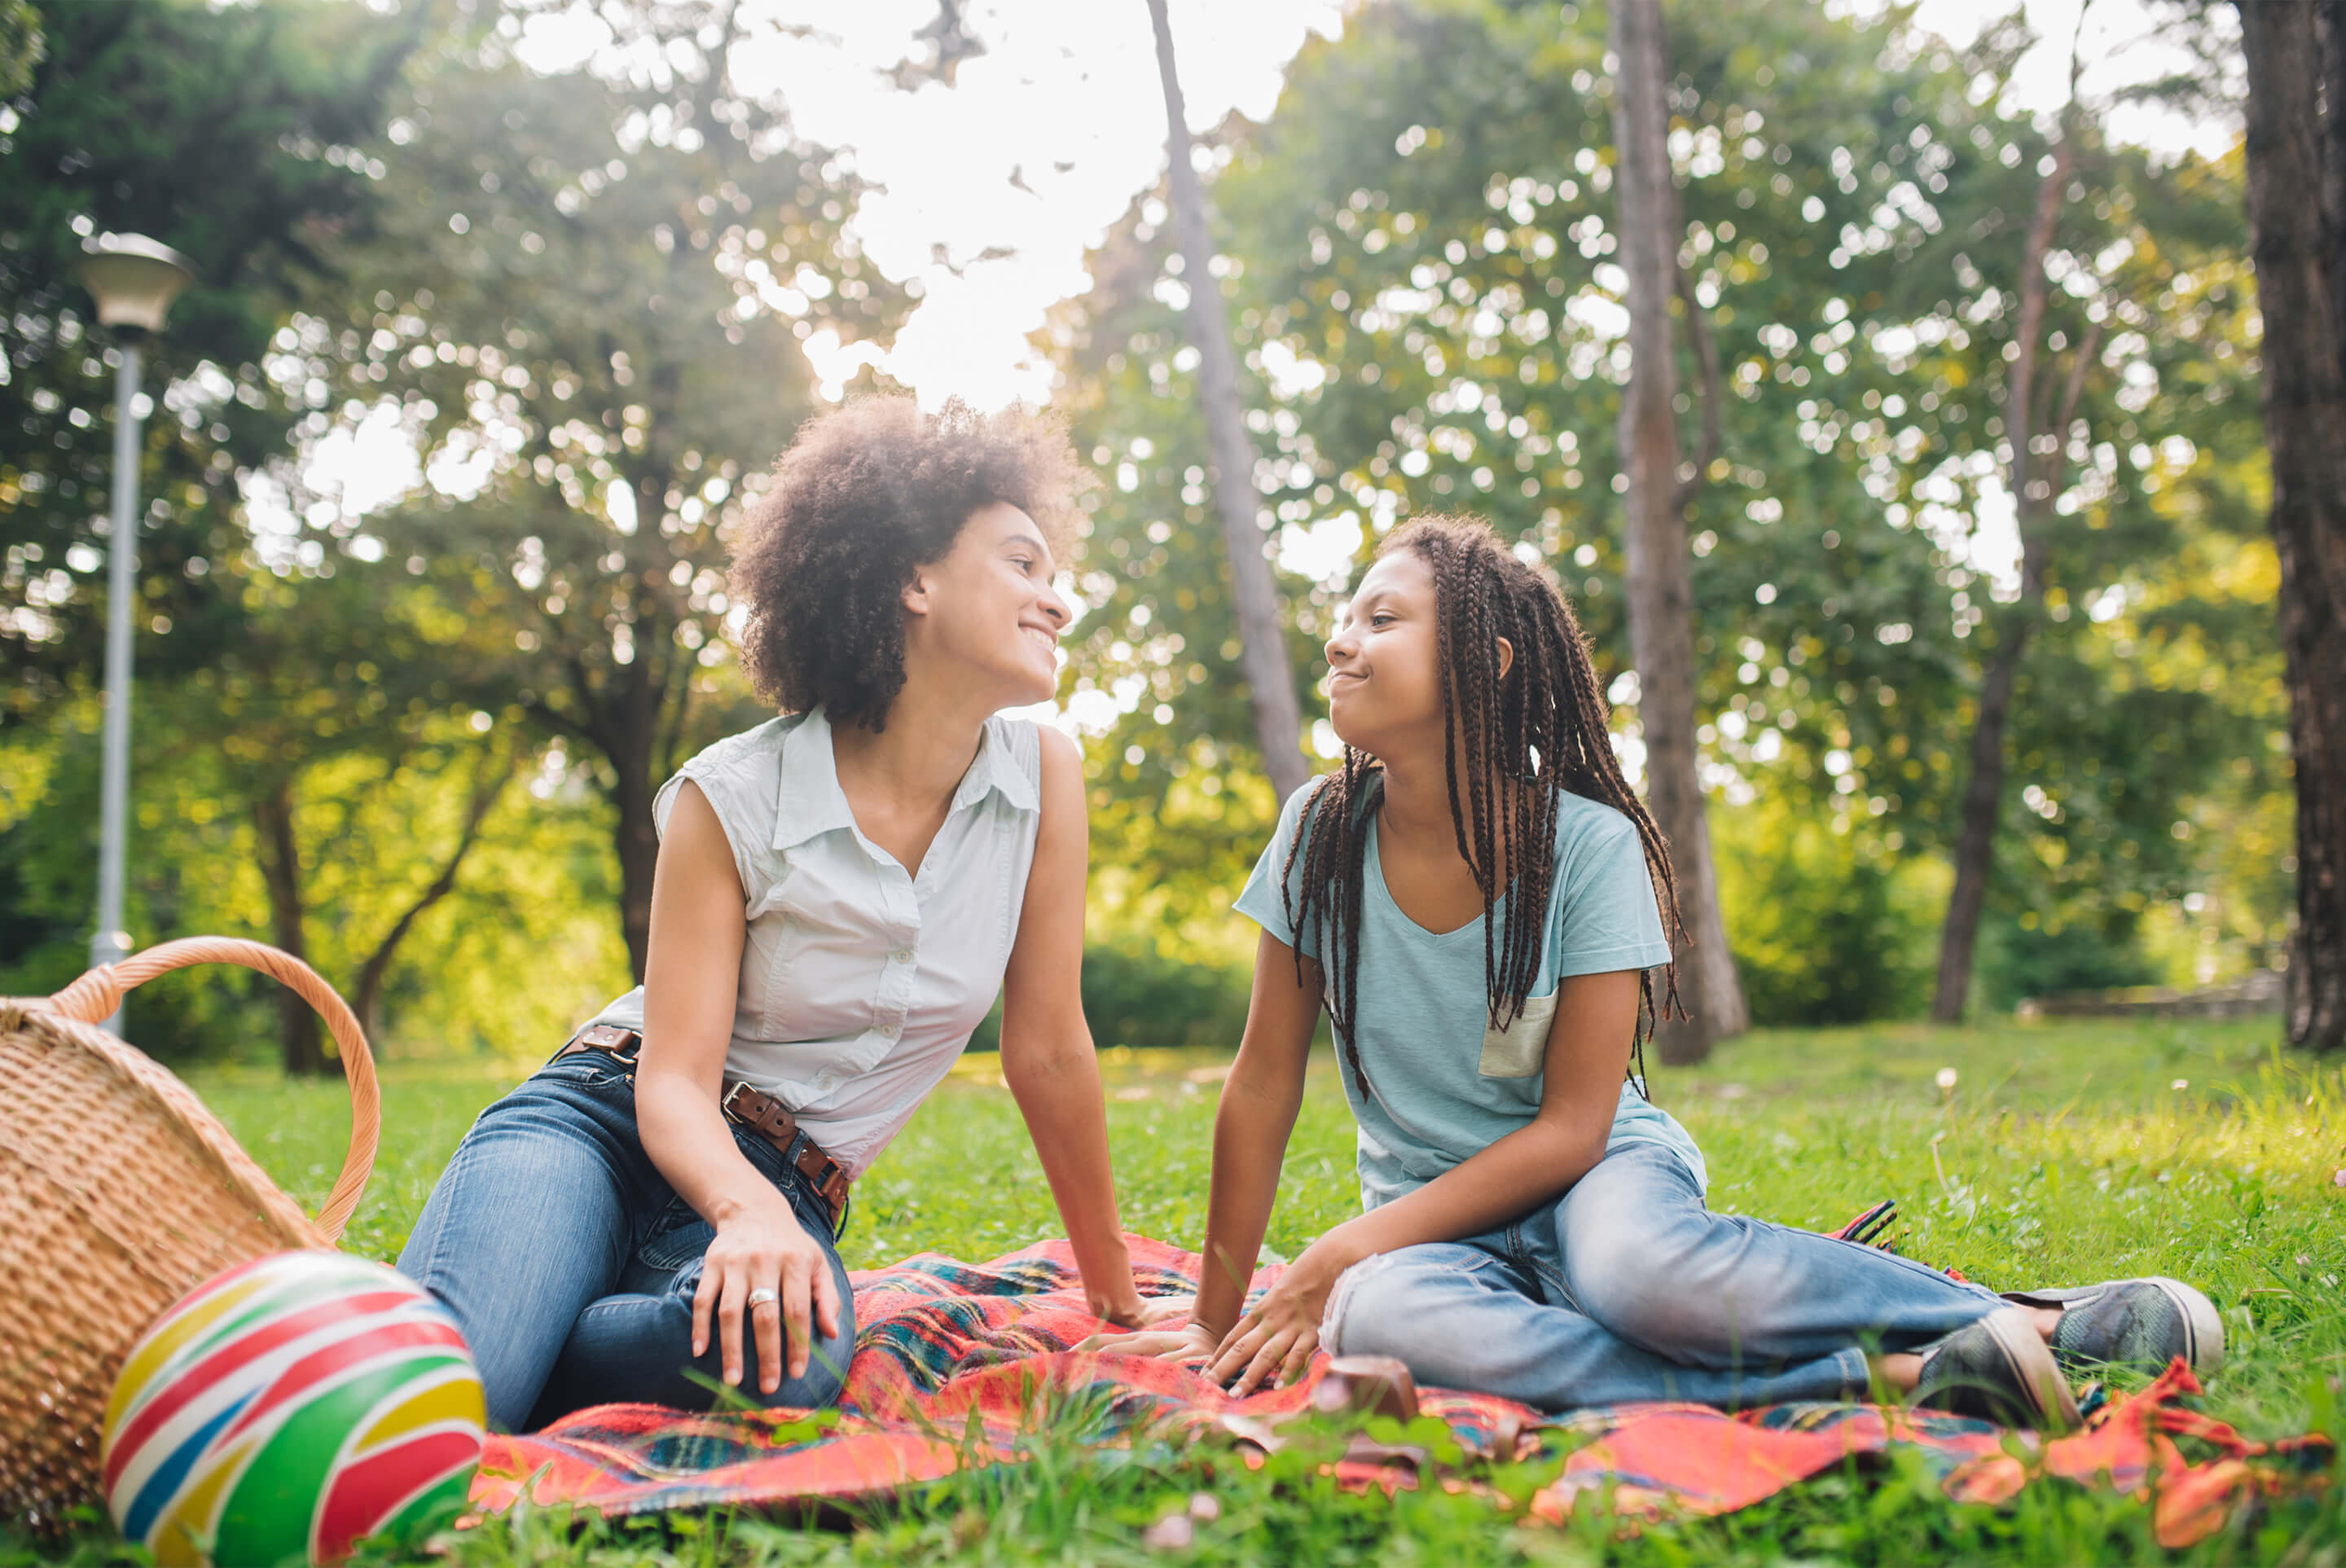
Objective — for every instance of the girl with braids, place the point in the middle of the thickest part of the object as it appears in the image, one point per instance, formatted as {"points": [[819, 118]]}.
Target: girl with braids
{"points": [[1483, 905]]}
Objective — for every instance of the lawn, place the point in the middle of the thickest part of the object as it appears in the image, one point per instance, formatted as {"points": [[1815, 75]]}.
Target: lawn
{"points": [[2061, 1154]]}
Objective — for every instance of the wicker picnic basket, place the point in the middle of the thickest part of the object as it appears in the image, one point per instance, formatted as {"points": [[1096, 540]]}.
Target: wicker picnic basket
{"points": [[118, 1194]]}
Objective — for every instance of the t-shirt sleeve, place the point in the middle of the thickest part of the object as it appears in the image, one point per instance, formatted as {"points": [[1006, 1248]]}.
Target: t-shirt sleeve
{"points": [[1606, 917], [1259, 900]]}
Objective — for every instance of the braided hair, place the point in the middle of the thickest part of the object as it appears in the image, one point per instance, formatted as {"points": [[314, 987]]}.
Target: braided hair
{"points": [[1527, 737]]}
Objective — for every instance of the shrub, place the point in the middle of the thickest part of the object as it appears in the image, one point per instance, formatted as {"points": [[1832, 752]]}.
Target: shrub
{"points": [[1136, 996]]}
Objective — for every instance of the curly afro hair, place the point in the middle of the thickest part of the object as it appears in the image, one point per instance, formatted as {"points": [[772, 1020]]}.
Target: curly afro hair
{"points": [[863, 497]]}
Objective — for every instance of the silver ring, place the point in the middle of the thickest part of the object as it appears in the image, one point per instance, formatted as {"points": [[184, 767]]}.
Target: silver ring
{"points": [[762, 1297]]}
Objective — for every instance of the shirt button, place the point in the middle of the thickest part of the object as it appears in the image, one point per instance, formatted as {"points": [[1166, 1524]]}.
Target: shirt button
{"points": [[903, 955]]}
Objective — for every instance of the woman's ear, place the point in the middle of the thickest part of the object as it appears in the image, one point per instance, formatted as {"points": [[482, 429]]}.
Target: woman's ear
{"points": [[915, 595], [1506, 657]]}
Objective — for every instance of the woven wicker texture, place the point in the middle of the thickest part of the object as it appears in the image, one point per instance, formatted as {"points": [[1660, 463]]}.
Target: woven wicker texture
{"points": [[119, 1193]]}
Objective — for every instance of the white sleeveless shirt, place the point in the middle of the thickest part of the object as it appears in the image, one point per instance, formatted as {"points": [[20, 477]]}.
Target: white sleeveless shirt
{"points": [[861, 981]]}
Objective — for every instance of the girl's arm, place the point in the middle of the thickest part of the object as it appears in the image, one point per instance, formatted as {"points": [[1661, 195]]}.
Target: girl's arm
{"points": [[691, 977], [1588, 1052], [1046, 1047], [1252, 1126]]}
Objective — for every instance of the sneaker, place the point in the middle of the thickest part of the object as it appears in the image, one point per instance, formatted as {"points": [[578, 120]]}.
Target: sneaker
{"points": [[2144, 1323], [1998, 1369]]}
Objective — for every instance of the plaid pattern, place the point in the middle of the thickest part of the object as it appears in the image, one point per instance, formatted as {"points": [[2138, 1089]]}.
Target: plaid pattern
{"points": [[952, 1358]]}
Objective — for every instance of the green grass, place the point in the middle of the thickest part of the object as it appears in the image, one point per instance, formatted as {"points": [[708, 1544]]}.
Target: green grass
{"points": [[2063, 1153]]}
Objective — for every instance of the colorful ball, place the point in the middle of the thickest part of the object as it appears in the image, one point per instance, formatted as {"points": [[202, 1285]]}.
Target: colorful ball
{"points": [[290, 1408]]}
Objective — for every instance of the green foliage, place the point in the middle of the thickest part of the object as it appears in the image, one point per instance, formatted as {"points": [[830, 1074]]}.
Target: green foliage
{"points": [[2064, 1153], [231, 134], [1828, 929], [1416, 255], [1138, 996]]}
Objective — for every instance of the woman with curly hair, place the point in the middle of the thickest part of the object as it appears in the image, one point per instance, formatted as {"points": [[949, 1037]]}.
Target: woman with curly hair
{"points": [[840, 894]]}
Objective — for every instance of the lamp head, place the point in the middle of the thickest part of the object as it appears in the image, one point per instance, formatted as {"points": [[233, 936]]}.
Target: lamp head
{"points": [[134, 279]]}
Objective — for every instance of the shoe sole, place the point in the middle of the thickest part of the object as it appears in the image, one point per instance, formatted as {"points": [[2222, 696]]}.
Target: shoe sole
{"points": [[2035, 1372], [2203, 1326]]}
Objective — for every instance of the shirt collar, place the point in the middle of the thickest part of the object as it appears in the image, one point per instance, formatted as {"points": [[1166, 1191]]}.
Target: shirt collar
{"points": [[994, 768], [810, 801]]}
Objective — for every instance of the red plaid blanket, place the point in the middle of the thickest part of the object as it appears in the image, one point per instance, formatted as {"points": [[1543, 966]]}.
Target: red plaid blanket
{"points": [[952, 1357]]}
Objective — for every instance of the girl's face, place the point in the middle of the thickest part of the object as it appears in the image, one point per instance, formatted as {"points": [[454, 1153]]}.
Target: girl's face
{"points": [[1384, 692], [985, 612]]}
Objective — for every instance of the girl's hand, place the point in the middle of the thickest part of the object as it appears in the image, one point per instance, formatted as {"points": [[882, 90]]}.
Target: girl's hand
{"points": [[1190, 1342], [763, 1246], [1273, 1342]]}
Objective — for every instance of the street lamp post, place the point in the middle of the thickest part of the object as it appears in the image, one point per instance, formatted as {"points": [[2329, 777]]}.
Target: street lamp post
{"points": [[134, 281]]}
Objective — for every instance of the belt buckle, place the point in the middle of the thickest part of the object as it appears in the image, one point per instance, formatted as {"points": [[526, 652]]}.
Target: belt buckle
{"points": [[732, 1112]]}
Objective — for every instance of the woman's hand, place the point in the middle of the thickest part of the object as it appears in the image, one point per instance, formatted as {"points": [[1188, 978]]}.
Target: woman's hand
{"points": [[1140, 1312], [761, 1246], [1190, 1342], [1273, 1342]]}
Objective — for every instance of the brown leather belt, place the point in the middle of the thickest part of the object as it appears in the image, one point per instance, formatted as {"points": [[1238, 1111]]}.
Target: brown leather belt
{"points": [[752, 1110]]}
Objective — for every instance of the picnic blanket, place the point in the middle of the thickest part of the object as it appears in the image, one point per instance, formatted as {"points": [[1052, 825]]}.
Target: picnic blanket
{"points": [[953, 1358]]}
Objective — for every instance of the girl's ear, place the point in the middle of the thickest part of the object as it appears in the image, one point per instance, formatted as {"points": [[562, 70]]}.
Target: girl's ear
{"points": [[1506, 657]]}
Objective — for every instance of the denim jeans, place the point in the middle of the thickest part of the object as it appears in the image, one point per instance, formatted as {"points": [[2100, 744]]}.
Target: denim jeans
{"points": [[1629, 1289], [570, 1264]]}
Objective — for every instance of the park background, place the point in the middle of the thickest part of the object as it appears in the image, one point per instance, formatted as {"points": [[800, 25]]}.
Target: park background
{"points": [[502, 311], [504, 308]]}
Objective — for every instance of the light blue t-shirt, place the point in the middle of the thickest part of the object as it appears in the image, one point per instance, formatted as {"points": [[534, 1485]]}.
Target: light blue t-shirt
{"points": [[1444, 1085]]}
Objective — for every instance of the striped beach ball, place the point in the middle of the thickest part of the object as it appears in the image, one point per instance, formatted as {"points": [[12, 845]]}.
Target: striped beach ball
{"points": [[288, 1410]]}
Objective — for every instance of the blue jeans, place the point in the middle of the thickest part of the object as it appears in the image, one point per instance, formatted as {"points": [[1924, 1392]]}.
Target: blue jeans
{"points": [[1629, 1289], [570, 1264]]}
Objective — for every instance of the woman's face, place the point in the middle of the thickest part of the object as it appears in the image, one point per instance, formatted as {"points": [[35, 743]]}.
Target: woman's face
{"points": [[1385, 691], [986, 610]]}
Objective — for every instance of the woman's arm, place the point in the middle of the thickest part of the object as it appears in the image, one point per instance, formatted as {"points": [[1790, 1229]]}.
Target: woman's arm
{"points": [[1046, 1047], [1587, 1054], [691, 978]]}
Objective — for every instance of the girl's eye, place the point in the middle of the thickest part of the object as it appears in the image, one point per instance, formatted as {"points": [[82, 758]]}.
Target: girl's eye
{"points": [[1380, 617]]}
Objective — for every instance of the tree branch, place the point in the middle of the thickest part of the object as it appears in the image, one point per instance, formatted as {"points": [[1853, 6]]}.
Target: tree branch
{"points": [[487, 785]]}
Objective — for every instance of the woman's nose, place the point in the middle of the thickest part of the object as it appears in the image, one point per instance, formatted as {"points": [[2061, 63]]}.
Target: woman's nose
{"points": [[1055, 604]]}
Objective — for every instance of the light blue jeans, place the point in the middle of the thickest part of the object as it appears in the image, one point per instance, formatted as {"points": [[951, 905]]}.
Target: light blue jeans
{"points": [[570, 1264], [1629, 1289]]}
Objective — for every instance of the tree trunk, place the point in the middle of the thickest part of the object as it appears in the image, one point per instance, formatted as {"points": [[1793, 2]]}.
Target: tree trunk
{"points": [[2032, 496], [366, 1001], [1661, 589], [2295, 247], [1262, 643], [298, 1041]]}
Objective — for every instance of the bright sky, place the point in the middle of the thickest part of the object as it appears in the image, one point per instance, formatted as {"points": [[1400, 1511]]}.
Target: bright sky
{"points": [[1067, 99], [1065, 103]]}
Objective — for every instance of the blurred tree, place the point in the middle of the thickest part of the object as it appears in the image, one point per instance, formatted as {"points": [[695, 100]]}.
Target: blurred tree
{"points": [[1428, 299], [1262, 648], [586, 300], [2035, 466], [1655, 502], [231, 133], [20, 46], [2297, 202]]}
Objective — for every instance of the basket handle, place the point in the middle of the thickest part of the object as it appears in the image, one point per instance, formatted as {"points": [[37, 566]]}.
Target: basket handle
{"points": [[98, 994]]}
